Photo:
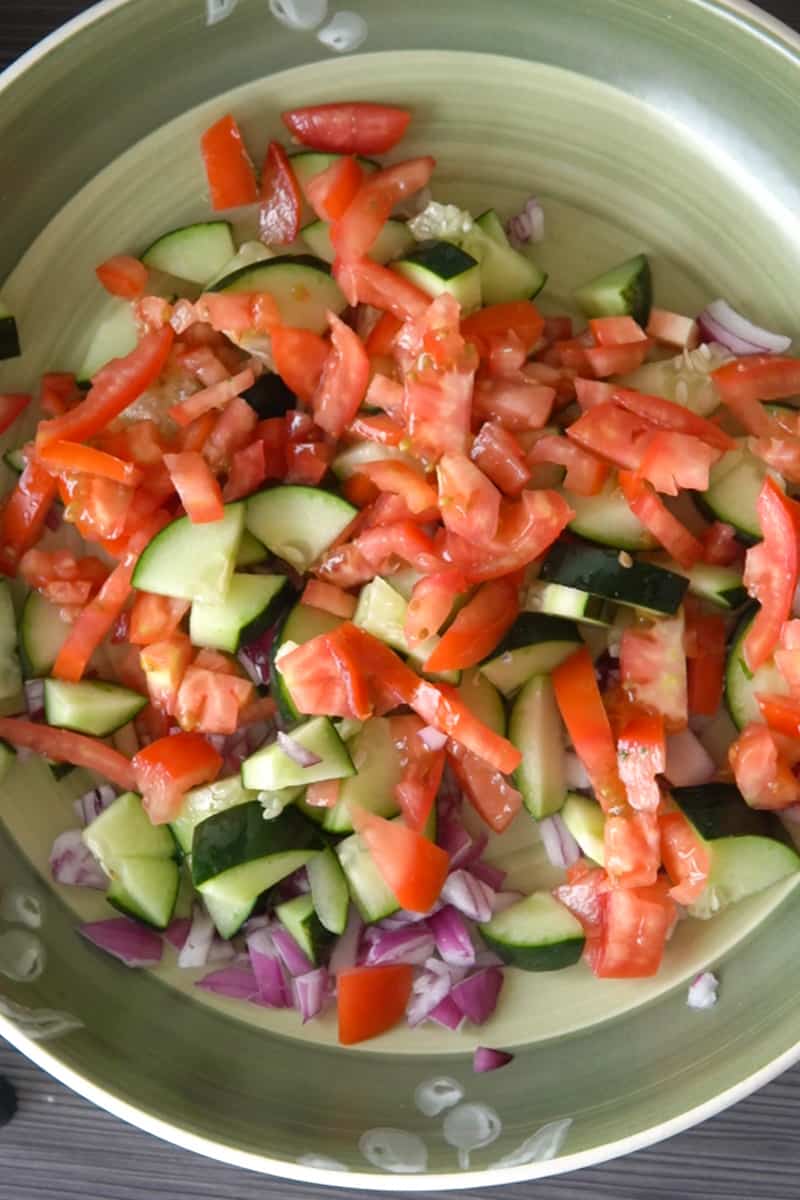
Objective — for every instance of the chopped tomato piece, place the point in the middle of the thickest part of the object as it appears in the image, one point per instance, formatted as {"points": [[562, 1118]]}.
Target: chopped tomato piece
{"points": [[11, 405], [653, 668], [383, 547], [300, 356], [274, 439], [672, 461], [745, 381], [616, 331], [344, 379], [672, 329], [615, 359], [61, 745], [636, 924], [248, 472], [73, 456], [154, 618], [281, 201], [642, 755], [441, 706], [392, 475], [200, 494], [787, 656], [355, 232], [164, 664], [331, 192], [517, 404], [668, 415], [720, 545], [608, 430], [239, 312], [527, 527], [167, 768], [685, 856], [431, 603], [770, 572], [367, 282], [380, 429], [24, 513], [584, 895], [762, 771], [219, 395], [211, 700], [411, 866], [371, 1000], [591, 392], [520, 317], [494, 799], [330, 598], [307, 462], [114, 387], [58, 392], [437, 406], [659, 521], [469, 502], [422, 771], [704, 643], [477, 628], [585, 475], [499, 455], [123, 276], [234, 428], [229, 168], [632, 848], [381, 339], [581, 707], [352, 127]]}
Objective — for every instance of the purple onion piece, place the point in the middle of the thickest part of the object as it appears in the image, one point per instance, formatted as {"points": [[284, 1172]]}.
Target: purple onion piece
{"points": [[487, 1059], [688, 762], [469, 895], [452, 937], [72, 862], [411, 944], [294, 959], [297, 753], [723, 324], [345, 952], [177, 931], [273, 987], [430, 987], [448, 1014], [128, 941], [194, 951], [527, 225], [91, 804], [560, 846], [311, 993], [477, 995], [492, 876], [236, 982], [34, 698]]}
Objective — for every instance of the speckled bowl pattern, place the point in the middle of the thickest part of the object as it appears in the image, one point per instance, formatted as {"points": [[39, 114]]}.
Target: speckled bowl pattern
{"points": [[661, 125]]}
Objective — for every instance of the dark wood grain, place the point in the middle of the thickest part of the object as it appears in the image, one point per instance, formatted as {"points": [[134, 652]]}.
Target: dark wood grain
{"points": [[58, 1147]]}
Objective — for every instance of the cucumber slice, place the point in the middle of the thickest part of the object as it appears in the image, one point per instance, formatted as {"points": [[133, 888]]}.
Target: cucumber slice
{"points": [[238, 836], [505, 273], [42, 633], [145, 889], [742, 866], [373, 898], [721, 586], [535, 934], [437, 267], [483, 699], [593, 569], [269, 396], [329, 892], [10, 670], [535, 728], [115, 335], [90, 706], [684, 379], [194, 252], [492, 226], [735, 481], [534, 645], [192, 562], [8, 757], [247, 255], [15, 460], [300, 284], [299, 919], [203, 802], [231, 897], [250, 606], [139, 859], [718, 810], [379, 768], [298, 523], [351, 460], [300, 625], [585, 820], [625, 290], [741, 685], [9, 334], [381, 611], [251, 551], [271, 768], [569, 603], [393, 241], [607, 519], [308, 163]]}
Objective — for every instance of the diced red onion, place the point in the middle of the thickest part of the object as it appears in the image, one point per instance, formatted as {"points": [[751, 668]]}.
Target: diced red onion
{"points": [[575, 772], [448, 1014], [527, 225], [504, 900], [237, 982], [427, 991], [273, 988], [688, 762], [703, 991], [432, 739], [72, 862], [177, 931], [55, 517], [404, 917], [255, 657], [127, 940], [487, 958], [297, 753], [469, 895], [412, 944], [345, 953], [487, 1059], [294, 959], [559, 845], [310, 993], [487, 873], [455, 841], [34, 698], [218, 742], [257, 733], [194, 951], [452, 937], [296, 884], [89, 806], [721, 323], [477, 995]]}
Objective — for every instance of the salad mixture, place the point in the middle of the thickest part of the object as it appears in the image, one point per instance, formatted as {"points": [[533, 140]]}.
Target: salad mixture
{"points": [[336, 538]]}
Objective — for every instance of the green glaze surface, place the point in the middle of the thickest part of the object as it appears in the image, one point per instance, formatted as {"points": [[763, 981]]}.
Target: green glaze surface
{"points": [[660, 127]]}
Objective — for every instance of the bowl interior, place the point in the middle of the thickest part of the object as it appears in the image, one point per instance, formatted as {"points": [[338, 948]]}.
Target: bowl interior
{"points": [[618, 171]]}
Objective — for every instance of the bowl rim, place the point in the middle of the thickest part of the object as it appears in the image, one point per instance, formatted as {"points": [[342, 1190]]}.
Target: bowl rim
{"points": [[785, 41]]}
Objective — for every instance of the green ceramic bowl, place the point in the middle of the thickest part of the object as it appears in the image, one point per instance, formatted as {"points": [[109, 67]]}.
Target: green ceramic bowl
{"points": [[669, 127]]}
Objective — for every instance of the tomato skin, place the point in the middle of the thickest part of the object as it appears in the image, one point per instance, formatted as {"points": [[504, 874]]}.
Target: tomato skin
{"points": [[668, 415], [381, 429], [123, 276], [354, 234], [392, 475], [770, 572], [469, 502], [58, 392], [62, 745], [217, 396], [229, 169], [521, 317], [672, 329], [380, 342], [642, 755], [527, 527], [584, 895], [720, 545], [615, 359], [672, 461], [422, 771], [518, 405], [757, 377], [281, 201], [411, 866], [431, 603], [329, 598], [299, 356], [495, 800], [636, 924], [608, 430], [499, 455], [354, 127], [24, 513], [762, 773], [437, 407], [210, 700], [366, 282], [477, 628], [199, 492], [72, 456], [167, 768], [331, 192], [371, 1000], [653, 668], [164, 664], [616, 331], [704, 643], [344, 379], [632, 848], [781, 713], [233, 429], [154, 618], [685, 856], [585, 475], [248, 472], [659, 521], [581, 707], [441, 706], [11, 405]]}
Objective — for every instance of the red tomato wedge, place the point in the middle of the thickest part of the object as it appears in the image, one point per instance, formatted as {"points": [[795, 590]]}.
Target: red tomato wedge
{"points": [[585, 474], [469, 502], [11, 405], [686, 858], [354, 234], [391, 475], [652, 666], [672, 461], [658, 520], [61, 745], [431, 603], [757, 377], [371, 1000], [367, 282], [167, 768], [477, 628], [248, 472], [353, 127], [762, 772], [211, 700], [770, 572], [344, 379], [154, 618], [58, 392], [229, 168], [608, 430], [613, 359], [518, 404], [123, 276], [73, 456], [642, 755], [422, 771], [616, 331], [668, 415], [200, 494], [581, 707], [329, 598], [114, 387], [331, 192], [632, 848], [499, 455], [381, 339], [218, 395], [527, 527], [411, 866], [704, 643], [281, 200], [636, 924], [520, 317], [164, 664], [495, 800], [24, 513]]}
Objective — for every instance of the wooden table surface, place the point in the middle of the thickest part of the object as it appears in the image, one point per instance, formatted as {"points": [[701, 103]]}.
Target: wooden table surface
{"points": [[58, 1146]]}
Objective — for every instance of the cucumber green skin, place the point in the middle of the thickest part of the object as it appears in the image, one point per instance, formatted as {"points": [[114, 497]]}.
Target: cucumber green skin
{"points": [[597, 570], [444, 259], [554, 957], [297, 260], [41, 635], [199, 804], [530, 629], [60, 770], [56, 687], [718, 810], [329, 891], [123, 900], [240, 834], [552, 637], [705, 510], [250, 630], [625, 290], [9, 337], [741, 867], [161, 253], [307, 930]]}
